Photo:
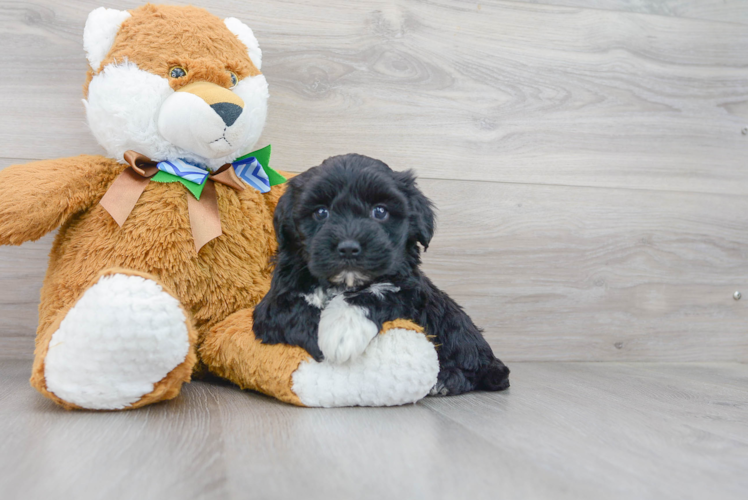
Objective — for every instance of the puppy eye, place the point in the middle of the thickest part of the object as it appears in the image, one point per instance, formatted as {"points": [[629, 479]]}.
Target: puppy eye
{"points": [[379, 213], [234, 79], [177, 72], [321, 214]]}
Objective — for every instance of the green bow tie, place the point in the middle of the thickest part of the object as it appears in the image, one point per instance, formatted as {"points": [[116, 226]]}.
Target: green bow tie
{"points": [[261, 155]]}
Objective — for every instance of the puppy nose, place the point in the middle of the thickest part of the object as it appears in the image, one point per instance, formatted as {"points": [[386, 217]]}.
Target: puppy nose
{"points": [[228, 112], [349, 249]]}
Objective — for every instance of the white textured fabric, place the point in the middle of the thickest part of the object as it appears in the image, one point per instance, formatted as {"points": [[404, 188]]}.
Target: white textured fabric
{"points": [[398, 367], [129, 108], [124, 335], [247, 37], [101, 28]]}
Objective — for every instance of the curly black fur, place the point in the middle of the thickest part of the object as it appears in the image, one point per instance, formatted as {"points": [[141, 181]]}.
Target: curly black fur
{"points": [[309, 260]]}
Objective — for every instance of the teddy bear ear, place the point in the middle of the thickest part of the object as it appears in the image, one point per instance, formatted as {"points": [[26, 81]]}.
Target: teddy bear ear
{"points": [[102, 26], [245, 35]]}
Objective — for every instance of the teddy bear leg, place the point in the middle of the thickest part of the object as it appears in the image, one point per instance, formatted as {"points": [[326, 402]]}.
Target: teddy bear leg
{"points": [[125, 343], [399, 366]]}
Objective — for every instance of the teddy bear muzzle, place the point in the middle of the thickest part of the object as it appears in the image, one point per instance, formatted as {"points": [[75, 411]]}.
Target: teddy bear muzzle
{"points": [[204, 118]]}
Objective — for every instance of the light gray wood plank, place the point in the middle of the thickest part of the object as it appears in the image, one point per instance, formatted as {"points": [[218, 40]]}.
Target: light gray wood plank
{"points": [[552, 273], [22, 271], [407, 452], [631, 430], [172, 450], [16, 347], [729, 11], [580, 274], [6, 162], [564, 430], [512, 92], [559, 273]]}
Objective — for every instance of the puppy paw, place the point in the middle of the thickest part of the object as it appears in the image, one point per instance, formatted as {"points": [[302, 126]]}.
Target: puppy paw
{"points": [[494, 377], [344, 331], [451, 382], [439, 390], [454, 380]]}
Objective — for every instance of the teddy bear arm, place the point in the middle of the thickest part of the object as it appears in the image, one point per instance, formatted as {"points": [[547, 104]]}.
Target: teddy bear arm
{"points": [[42, 195], [400, 366], [231, 351]]}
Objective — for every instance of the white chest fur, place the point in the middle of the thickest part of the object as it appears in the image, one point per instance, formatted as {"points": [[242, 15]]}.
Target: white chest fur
{"points": [[344, 329]]}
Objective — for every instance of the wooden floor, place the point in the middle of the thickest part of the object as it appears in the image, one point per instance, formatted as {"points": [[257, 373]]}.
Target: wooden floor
{"points": [[564, 430], [588, 161]]}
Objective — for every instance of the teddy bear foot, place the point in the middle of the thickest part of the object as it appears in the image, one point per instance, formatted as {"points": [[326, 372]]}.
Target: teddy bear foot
{"points": [[399, 366], [125, 343]]}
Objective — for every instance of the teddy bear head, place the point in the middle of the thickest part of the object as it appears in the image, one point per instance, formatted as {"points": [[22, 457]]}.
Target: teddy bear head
{"points": [[173, 83]]}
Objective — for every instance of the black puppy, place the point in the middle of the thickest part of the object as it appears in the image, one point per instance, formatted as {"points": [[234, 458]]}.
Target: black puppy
{"points": [[348, 261]]}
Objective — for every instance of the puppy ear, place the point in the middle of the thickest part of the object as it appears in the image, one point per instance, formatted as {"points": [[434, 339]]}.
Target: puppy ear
{"points": [[422, 219], [283, 222]]}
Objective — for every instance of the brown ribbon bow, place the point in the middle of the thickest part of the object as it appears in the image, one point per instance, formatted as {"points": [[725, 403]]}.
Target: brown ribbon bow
{"points": [[205, 219]]}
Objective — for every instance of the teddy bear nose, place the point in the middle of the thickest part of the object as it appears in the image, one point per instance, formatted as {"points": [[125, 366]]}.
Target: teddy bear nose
{"points": [[349, 249], [227, 111]]}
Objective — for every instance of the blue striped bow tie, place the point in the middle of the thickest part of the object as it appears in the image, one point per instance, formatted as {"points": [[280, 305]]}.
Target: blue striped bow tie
{"points": [[252, 168], [125, 191], [249, 170]]}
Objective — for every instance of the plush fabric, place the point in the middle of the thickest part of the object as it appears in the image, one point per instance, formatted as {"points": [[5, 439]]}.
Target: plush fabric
{"points": [[397, 369], [231, 343], [125, 94], [398, 366], [129, 333], [153, 38], [230, 273], [129, 313], [167, 388], [98, 34]]}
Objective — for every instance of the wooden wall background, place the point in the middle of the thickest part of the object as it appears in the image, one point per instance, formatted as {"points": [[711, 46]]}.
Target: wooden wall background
{"points": [[589, 157]]}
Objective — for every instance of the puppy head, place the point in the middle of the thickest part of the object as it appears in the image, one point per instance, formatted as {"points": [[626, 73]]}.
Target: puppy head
{"points": [[173, 83], [352, 219]]}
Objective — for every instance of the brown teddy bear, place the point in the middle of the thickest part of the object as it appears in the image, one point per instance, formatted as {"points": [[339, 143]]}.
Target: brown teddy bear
{"points": [[164, 247]]}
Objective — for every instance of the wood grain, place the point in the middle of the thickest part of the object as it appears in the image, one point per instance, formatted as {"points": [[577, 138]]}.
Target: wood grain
{"points": [[594, 274], [550, 272], [610, 426], [166, 451], [511, 92], [564, 430], [21, 274], [588, 163], [729, 11]]}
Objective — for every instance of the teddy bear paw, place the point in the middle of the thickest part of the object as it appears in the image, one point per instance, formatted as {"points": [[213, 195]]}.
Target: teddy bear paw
{"points": [[397, 367], [123, 336]]}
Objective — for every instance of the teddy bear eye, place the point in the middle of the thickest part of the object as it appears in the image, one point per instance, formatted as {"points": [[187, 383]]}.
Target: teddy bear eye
{"points": [[177, 72], [234, 79], [321, 214], [379, 213]]}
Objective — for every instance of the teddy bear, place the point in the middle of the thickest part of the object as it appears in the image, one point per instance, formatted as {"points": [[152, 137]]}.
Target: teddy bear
{"points": [[164, 246]]}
